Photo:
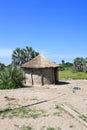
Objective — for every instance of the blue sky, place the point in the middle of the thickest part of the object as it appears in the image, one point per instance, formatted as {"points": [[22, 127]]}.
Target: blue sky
{"points": [[55, 28]]}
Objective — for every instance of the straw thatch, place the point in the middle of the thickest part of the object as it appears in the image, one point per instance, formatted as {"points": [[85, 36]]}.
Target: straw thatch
{"points": [[40, 62]]}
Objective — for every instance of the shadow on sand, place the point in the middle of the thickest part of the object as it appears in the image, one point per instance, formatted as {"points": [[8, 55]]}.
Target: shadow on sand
{"points": [[62, 83]]}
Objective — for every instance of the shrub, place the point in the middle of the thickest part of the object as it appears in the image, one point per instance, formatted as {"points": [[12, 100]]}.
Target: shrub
{"points": [[11, 77]]}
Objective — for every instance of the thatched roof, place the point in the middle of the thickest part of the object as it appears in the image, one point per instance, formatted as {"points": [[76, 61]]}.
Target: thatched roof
{"points": [[40, 62]]}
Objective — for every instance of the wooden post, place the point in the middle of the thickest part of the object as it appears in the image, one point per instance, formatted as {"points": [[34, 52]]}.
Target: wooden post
{"points": [[32, 78], [42, 77]]}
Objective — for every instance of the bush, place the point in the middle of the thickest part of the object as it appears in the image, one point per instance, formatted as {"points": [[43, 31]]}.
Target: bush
{"points": [[11, 77]]}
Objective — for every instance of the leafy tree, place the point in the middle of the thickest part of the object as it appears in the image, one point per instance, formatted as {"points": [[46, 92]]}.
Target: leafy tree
{"points": [[2, 66], [21, 56], [16, 56], [11, 77], [66, 65], [85, 65], [63, 64], [78, 64]]}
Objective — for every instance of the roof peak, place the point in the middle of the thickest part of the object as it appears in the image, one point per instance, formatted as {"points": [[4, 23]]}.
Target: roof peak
{"points": [[40, 62]]}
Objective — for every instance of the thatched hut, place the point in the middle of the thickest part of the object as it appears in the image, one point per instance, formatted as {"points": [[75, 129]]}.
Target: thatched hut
{"points": [[40, 71]]}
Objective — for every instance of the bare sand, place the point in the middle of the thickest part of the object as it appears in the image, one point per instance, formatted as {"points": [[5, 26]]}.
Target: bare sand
{"points": [[45, 98]]}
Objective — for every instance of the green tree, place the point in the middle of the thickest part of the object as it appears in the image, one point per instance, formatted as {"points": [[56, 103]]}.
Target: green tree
{"points": [[2, 66], [68, 65], [11, 77], [63, 64], [85, 65], [21, 56], [16, 56], [78, 64], [29, 53]]}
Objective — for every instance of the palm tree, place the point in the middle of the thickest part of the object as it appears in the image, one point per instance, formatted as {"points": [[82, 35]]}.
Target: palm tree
{"points": [[21, 56], [63, 64], [30, 53], [78, 64], [16, 56], [85, 65]]}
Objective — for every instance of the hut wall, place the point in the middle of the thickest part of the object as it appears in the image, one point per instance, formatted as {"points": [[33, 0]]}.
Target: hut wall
{"points": [[39, 76], [48, 76], [36, 76], [28, 80]]}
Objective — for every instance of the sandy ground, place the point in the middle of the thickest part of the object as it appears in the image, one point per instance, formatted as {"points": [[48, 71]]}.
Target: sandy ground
{"points": [[45, 98]]}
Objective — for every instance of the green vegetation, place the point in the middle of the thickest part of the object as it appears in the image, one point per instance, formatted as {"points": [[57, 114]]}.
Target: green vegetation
{"points": [[75, 70], [11, 77], [26, 128], [69, 74], [2, 66], [34, 99], [22, 113], [66, 65], [21, 56], [57, 107], [57, 113], [50, 128], [23, 127], [71, 126], [80, 64]]}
